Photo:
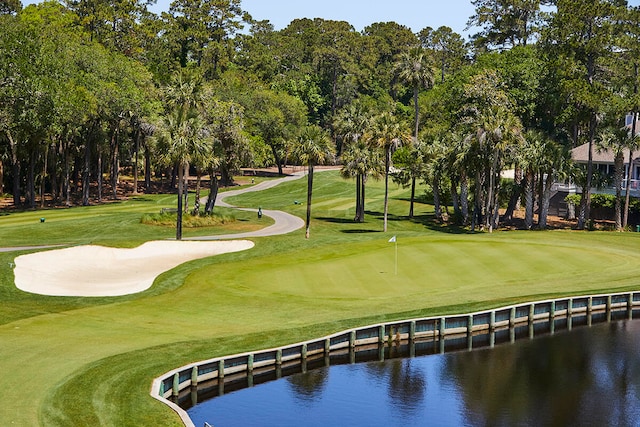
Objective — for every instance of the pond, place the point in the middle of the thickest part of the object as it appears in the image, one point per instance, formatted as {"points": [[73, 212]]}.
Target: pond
{"points": [[586, 376]]}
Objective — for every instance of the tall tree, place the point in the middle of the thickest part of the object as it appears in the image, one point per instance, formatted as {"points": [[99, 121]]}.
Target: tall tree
{"points": [[543, 161], [414, 68], [495, 133], [386, 132], [182, 136], [447, 47], [312, 148], [505, 23], [616, 141], [202, 30], [581, 36], [388, 40], [118, 24], [627, 67], [275, 117], [412, 163], [358, 158]]}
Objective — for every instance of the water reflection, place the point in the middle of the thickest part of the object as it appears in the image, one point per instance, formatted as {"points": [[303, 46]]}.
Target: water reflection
{"points": [[589, 377], [308, 387], [585, 377]]}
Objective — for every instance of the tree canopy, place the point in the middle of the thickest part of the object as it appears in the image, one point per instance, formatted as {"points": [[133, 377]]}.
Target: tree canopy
{"points": [[85, 85]]}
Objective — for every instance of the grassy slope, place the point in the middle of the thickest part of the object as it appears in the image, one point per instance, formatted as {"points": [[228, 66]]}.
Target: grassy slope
{"points": [[73, 361]]}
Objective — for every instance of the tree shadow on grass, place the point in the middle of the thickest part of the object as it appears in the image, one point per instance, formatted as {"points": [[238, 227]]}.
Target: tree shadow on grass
{"points": [[347, 221], [428, 221], [337, 220]]}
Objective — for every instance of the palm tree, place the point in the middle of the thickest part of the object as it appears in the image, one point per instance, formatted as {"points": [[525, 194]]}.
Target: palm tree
{"points": [[496, 132], [412, 162], [314, 147], [357, 159], [182, 135], [206, 161], [529, 157], [544, 161], [387, 133], [616, 141], [414, 68], [437, 152], [459, 157]]}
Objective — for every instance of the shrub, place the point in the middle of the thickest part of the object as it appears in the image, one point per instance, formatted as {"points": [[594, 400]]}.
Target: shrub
{"points": [[167, 219], [607, 201]]}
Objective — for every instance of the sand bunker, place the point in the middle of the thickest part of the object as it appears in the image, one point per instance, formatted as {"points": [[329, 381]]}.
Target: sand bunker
{"points": [[101, 271]]}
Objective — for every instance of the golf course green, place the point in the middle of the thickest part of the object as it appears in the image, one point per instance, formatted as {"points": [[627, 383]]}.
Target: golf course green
{"points": [[71, 361]]}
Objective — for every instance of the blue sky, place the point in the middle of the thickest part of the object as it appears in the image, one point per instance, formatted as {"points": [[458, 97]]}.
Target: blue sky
{"points": [[415, 14]]}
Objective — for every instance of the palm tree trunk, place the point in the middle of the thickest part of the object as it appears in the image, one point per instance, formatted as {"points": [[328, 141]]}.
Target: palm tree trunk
{"points": [[196, 202], [179, 212], [147, 168], [585, 200], [185, 188], [99, 176], [544, 202], [455, 200], [135, 162], [213, 193], [633, 135], [413, 196], [464, 198], [115, 164], [15, 170], [309, 193], [31, 192], [86, 172], [491, 193], [515, 194], [528, 200], [417, 112], [619, 176], [358, 189], [435, 185], [386, 186], [67, 175], [362, 197], [627, 196], [44, 175]]}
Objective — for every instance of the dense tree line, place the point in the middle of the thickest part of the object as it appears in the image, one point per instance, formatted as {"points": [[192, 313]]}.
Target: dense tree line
{"points": [[89, 88]]}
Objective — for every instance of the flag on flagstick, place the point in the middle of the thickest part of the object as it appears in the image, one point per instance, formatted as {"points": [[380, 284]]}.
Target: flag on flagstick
{"points": [[394, 240]]}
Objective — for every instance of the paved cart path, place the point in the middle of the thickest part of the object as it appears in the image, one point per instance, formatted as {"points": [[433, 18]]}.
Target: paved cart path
{"points": [[90, 270], [284, 222]]}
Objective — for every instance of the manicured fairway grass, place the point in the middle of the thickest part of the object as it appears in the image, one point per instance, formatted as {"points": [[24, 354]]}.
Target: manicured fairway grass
{"points": [[74, 361]]}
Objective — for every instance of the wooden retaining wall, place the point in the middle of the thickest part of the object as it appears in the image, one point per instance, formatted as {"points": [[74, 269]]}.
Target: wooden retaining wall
{"points": [[171, 386]]}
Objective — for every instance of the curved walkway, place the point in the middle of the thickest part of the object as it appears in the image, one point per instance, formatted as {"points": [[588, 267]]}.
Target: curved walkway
{"points": [[284, 222]]}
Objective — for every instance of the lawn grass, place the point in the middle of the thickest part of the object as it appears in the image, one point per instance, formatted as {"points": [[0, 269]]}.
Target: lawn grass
{"points": [[84, 361]]}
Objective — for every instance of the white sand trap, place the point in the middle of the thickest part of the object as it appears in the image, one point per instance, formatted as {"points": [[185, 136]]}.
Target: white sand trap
{"points": [[92, 271]]}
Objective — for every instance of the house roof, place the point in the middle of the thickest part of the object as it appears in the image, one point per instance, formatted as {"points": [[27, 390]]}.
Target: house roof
{"points": [[580, 154]]}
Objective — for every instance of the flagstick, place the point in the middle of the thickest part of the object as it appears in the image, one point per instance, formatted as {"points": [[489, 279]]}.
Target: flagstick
{"points": [[396, 243]]}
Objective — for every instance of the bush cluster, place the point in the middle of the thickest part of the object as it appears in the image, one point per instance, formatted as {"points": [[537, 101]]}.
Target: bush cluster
{"points": [[168, 219]]}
